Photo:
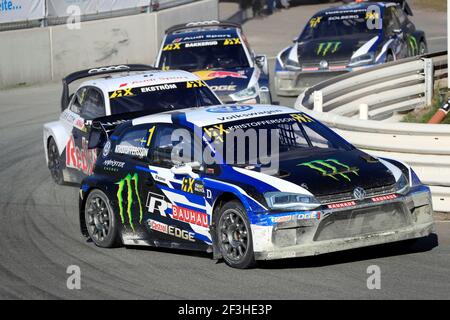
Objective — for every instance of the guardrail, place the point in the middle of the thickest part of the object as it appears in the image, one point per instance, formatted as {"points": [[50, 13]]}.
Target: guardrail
{"points": [[376, 94]]}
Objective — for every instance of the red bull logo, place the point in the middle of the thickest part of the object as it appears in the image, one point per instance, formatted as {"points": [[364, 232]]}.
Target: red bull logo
{"points": [[209, 75]]}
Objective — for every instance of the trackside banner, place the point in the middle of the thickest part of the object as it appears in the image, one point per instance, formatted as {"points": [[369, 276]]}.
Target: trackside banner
{"points": [[65, 8], [21, 10]]}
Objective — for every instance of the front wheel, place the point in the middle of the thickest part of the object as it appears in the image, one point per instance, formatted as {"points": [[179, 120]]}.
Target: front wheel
{"points": [[100, 220], [234, 236], [422, 48], [54, 162]]}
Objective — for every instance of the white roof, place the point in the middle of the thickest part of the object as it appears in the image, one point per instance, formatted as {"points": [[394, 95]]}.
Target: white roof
{"points": [[206, 116], [141, 79]]}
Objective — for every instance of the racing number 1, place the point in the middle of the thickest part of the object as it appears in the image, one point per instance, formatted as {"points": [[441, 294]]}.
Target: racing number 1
{"points": [[150, 136]]}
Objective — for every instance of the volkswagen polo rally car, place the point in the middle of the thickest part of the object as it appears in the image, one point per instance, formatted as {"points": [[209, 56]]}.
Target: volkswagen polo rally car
{"points": [[219, 54], [345, 38], [123, 92], [247, 183]]}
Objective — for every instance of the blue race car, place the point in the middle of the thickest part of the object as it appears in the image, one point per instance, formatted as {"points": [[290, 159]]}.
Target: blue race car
{"points": [[219, 54], [246, 183], [346, 38]]}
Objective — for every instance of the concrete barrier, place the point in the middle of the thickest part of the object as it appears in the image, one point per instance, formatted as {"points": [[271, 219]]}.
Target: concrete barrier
{"points": [[46, 54]]}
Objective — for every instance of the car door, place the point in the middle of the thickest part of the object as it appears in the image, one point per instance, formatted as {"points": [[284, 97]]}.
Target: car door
{"points": [[394, 32], [87, 104], [178, 201]]}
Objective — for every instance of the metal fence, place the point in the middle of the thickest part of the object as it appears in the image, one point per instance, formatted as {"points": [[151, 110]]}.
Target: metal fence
{"points": [[382, 91]]}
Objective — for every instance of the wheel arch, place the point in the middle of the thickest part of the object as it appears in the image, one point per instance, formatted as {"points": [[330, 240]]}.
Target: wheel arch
{"points": [[56, 131]]}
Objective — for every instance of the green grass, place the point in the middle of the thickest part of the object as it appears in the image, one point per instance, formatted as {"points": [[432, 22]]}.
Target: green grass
{"points": [[424, 115]]}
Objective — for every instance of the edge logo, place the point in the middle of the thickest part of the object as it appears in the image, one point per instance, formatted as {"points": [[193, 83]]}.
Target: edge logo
{"points": [[130, 191], [331, 168]]}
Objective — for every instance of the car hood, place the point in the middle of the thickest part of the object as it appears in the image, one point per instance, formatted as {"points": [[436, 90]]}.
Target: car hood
{"points": [[336, 172], [225, 82], [332, 49]]}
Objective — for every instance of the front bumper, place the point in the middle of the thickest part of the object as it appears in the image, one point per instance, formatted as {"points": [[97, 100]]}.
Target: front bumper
{"points": [[293, 83], [331, 230]]}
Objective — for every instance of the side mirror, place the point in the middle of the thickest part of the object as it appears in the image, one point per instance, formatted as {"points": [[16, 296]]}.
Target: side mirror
{"points": [[261, 62]]}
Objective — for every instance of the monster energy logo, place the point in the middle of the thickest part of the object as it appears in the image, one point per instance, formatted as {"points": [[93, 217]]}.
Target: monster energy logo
{"points": [[413, 44], [331, 168], [326, 47], [127, 181]]}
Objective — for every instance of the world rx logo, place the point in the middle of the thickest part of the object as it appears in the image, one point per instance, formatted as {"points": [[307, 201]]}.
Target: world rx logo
{"points": [[332, 168], [6, 5], [326, 47]]}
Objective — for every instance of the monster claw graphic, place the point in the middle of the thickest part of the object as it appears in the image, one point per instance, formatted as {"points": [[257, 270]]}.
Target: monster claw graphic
{"points": [[127, 181], [330, 168], [324, 47]]}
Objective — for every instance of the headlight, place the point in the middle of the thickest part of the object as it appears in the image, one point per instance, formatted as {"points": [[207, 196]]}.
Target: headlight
{"points": [[291, 201], [402, 185], [362, 60], [244, 94]]}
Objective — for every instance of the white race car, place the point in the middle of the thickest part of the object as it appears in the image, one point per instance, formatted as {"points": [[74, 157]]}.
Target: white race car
{"points": [[134, 90]]}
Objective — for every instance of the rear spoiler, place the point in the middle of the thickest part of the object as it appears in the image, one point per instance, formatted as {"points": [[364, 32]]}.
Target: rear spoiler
{"points": [[201, 24], [404, 4], [102, 128], [65, 99]]}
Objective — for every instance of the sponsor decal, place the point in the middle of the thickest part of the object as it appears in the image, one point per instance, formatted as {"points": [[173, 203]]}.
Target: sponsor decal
{"points": [[195, 84], [384, 198], [223, 88], [341, 205], [201, 44], [170, 230], [328, 47], [216, 132], [81, 159], [314, 22], [159, 88], [191, 185], [412, 41], [131, 151], [131, 183], [372, 15], [157, 204], [229, 109], [209, 75], [121, 93], [106, 149], [108, 69], [331, 168], [190, 216], [302, 117], [300, 216], [112, 165], [231, 42], [172, 46]]}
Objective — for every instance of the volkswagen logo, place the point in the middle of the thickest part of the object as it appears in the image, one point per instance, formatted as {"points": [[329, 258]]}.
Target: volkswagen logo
{"points": [[324, 64], [359, 193]]}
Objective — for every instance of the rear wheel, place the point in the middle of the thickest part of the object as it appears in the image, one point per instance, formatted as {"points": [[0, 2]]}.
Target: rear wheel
{"points": [[54, 162], [234, 236], [100, 220], [390, 57], [422, 48]]}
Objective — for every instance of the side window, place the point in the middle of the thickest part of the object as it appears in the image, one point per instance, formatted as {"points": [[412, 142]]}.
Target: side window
{"points": [[78, 101], [401, 16], [390, 22], [94, 105], [166, 152], [136, 142]]}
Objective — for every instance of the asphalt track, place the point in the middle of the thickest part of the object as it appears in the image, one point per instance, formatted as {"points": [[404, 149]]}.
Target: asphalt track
{"points": [[39, 236]]}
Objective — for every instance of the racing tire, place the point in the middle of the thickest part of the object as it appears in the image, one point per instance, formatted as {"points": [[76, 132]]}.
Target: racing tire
{"points": [[234, 236], [54, 163], [101, 222]]}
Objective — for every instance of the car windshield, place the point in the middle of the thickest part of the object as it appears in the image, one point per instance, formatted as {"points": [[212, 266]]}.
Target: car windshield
{"points": [[337, 25], [160, 98], [294, 136], [205, 55]]}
